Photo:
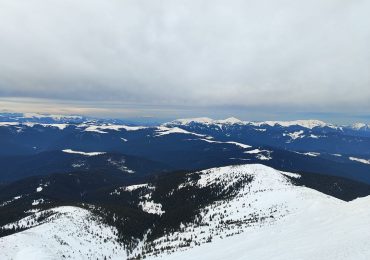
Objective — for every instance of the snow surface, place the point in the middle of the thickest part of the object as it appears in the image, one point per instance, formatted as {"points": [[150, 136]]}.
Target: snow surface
{"points": [[70, 232], [359, 160], [325, 229], [130, 188], [151, 207], [307, 224], [268, 218], [82, 153], [254, 151], [9, 123], [359, 126]]}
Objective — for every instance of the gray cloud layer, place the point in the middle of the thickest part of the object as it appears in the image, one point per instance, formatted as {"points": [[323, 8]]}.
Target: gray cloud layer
{"points": [[287, 53]]}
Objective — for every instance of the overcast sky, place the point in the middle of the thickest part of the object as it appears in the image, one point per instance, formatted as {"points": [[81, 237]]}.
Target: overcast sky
{"points": [[267, 59]]}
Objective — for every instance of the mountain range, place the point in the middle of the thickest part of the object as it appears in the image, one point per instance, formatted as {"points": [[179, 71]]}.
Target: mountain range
{"points": [[81, 188]]}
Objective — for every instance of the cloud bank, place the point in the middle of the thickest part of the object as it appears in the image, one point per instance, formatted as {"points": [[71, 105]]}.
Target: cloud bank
{"points": [[242, 53]]}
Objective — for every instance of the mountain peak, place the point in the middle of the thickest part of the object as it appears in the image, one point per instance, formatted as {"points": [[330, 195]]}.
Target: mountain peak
{"points": [[311, 123], [230, 120], [359, 126], [206, 121]]}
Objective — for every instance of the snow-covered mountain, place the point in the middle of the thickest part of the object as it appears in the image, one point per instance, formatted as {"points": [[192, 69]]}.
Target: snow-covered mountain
{"points": [[304, 145], [256, 212], [232, 120], [40, 118]]}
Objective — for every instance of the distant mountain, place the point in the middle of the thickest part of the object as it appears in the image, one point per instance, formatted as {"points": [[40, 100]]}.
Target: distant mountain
{"points": [[40, 118], [188, 144]]}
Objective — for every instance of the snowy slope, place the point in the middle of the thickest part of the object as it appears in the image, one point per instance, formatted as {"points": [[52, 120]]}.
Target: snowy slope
{"points": [[325, 230], [263, 216], [306, 224], [71, 232]]}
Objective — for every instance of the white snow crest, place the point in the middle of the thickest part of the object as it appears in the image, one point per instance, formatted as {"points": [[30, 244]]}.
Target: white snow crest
{"points": [[83, 153], [163, 130], [364, 161]]}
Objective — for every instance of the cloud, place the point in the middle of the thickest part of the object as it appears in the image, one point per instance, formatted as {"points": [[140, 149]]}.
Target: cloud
{"points": [[201, 53]]}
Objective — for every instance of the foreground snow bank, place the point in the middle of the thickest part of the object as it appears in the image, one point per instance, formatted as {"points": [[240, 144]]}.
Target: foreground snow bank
{"points": [[268, 218], [71, 233], [306, 225]]}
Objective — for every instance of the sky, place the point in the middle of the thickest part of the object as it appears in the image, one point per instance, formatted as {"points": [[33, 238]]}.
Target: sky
{"points": [[165, 59]]}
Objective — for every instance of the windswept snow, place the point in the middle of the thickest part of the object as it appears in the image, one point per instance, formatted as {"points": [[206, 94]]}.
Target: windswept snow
{"points": [[267, 218], [82, 153], [70, 232], [292, 222], [320, 228]]}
